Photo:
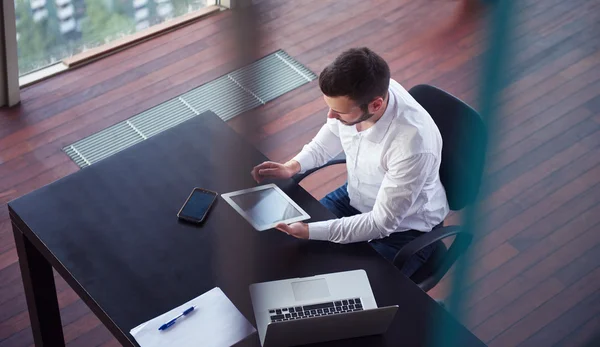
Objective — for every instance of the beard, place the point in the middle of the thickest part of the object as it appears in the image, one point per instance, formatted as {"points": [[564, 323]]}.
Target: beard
{"points": [[365, 116]]}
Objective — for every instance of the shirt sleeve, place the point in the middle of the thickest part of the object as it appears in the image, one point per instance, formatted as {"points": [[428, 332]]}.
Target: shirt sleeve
{"points": [[323, 147], [395, 201]]}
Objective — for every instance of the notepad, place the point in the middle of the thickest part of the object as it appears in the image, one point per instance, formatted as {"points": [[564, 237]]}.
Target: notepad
{"points": [[215, 322]]}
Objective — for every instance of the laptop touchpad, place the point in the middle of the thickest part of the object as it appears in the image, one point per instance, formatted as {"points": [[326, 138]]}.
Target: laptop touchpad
{"points": [[311, 289]]}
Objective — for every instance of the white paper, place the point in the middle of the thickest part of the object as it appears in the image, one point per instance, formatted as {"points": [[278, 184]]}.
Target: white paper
{"points": [[215, 322]]}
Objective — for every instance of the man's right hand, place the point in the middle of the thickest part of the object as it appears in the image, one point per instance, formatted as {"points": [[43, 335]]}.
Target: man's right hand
{"points": [[270, 169]]}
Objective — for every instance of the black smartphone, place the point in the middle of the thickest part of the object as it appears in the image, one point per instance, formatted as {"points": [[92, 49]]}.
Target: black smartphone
{"points": [[197, 205]]}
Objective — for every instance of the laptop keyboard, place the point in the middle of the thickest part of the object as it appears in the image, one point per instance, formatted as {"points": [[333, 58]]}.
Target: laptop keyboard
{"points": [[315, 310]]}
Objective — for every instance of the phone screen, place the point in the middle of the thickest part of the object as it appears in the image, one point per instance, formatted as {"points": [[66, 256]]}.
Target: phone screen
{"points": [[197, 206]]}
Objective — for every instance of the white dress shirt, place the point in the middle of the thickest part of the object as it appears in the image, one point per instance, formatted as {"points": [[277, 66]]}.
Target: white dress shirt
{"points": [[393, 172]]}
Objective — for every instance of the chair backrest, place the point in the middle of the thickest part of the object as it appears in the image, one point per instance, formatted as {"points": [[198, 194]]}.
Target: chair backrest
{"points": [[465, 140]]}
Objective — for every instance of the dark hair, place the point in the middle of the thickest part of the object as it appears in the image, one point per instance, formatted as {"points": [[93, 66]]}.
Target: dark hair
{"points": [[359, 74]]}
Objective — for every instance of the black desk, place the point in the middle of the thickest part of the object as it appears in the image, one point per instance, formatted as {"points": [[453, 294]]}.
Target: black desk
{"points": [[111, 231]]}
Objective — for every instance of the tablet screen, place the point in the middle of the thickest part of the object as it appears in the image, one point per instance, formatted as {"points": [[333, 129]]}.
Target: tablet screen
{"points": [[266, 206]]}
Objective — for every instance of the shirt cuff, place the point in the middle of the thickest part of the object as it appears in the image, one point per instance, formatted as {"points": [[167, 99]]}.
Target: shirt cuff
{"points": [[319, 230], [305, 160]]}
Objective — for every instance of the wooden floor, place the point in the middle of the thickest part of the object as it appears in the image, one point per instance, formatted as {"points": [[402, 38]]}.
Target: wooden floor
{"points": [[535, 278]]}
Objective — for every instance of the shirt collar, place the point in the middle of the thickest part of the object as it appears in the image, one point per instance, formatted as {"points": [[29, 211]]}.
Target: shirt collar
{"points": [[377, 132]]}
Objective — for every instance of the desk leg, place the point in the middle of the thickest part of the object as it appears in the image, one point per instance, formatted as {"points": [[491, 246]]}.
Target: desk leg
{"points": [[40, 292]]}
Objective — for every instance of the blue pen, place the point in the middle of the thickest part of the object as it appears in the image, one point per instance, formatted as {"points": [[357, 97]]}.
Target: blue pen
{"points": [[172, 321]]}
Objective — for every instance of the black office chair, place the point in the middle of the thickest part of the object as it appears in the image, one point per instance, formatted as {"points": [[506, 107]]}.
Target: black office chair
{"points": [[465, 140]]}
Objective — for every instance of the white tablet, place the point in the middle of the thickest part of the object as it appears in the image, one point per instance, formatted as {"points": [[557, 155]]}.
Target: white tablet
{"points": [[265, 206]]}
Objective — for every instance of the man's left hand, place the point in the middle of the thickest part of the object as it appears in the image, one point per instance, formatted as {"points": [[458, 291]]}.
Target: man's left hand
{"points": [[298, 230]]}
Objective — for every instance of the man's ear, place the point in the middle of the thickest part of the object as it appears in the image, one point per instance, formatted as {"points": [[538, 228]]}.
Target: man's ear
{"points": [[376, 105]]}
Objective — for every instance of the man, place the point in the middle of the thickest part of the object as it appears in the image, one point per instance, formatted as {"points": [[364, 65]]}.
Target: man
{"points": [[393, 151]]}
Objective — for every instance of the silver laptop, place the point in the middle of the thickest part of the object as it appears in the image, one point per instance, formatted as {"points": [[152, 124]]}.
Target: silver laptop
{"points": [[316, 309]]}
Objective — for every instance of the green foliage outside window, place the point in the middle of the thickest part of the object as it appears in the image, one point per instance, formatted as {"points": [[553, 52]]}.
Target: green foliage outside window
{"points": [[41, 43]]}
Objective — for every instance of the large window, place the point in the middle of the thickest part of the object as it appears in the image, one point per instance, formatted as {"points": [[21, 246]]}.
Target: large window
{"points": [[49, 31]]}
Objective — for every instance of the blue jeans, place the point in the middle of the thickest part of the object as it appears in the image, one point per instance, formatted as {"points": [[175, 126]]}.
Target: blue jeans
{"points": [[338, 203]]}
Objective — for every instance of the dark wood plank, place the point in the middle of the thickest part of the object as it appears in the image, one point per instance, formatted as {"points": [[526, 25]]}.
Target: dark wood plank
{"points": [[471, 49], [541, 172], [112, 343], [39, 181], [548, 312], [511, 314], [6, 240], [531, 278], [18, 327], [493, 235], [567, 323], [545, 113], [318, 45], [289, 133], [557, 96], [321, 184], [593, 105], [540, 137], [492, 260], [548, 55], [545, 211], [580, 267], [95, 337], [539, 192], [15, 177], [552, 81], [81, 326], [583, 335], [485, 288]]}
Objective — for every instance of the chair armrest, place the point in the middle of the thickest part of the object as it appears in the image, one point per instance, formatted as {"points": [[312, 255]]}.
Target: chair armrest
{"points": [[459, 246], [340, 159]]}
